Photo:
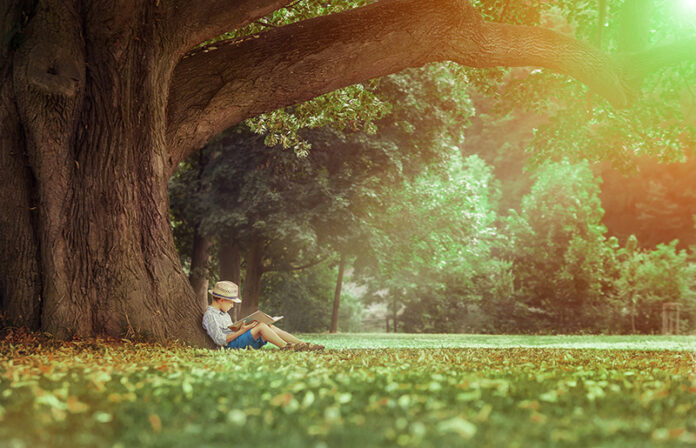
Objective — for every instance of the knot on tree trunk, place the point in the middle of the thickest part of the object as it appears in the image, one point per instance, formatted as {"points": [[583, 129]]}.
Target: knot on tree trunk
{"points": [[50, 59], [52, 71]]}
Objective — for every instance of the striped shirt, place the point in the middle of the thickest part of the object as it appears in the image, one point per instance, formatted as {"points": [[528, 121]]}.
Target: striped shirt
{"points": [[215, 322]]}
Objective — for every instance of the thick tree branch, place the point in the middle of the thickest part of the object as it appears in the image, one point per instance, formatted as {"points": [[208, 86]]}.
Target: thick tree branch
{"points": [[518, 45], [194, 22], [212, 90]]}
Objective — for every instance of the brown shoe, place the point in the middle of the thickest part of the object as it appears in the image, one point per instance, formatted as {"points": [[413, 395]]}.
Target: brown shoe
{"points": [[289, 347], [301, 347]]}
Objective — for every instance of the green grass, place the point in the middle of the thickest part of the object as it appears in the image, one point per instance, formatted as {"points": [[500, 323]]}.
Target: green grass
{"points": [[476, 391], [398, 340]]}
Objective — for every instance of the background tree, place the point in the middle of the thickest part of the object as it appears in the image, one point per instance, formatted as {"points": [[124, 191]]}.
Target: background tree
{"points": [[650, 278], [434, 242], [559, 250]]}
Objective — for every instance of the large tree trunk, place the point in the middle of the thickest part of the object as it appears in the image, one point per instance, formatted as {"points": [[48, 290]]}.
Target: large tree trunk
{"points": [[254, 271], [20, 283], [90, 85], [337, 295], [199, 267]]}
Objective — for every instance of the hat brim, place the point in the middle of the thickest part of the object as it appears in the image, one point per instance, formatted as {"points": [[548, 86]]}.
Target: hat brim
{"points": [[231, 299]]}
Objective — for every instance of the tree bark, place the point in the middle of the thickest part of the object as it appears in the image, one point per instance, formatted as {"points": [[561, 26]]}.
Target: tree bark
{"points": [[254, 272], [20, 282], [90, 88], [193, 22], [199, 267], [337, 295]]}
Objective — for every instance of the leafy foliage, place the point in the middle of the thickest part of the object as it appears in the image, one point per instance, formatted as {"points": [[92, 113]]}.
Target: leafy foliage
{"points": [[552, 268], [650, 279], [107, 393], [303, 208], [305, 299], [433, 244], [580, 125], [559, 250], [447, 263]]}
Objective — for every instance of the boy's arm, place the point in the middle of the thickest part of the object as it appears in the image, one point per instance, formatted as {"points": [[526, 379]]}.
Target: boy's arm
{"points": [[243, 329]]}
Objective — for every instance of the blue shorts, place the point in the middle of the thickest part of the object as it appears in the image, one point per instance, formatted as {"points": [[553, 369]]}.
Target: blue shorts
{"points": [[245, 340]]}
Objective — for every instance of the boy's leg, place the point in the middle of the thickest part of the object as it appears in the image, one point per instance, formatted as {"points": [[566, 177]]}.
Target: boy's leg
{"points": [[267, 334], [287, 337]]}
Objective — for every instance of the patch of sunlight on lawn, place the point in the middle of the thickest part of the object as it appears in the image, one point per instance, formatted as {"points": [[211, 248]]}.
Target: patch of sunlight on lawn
{"points": [[408, 340]]}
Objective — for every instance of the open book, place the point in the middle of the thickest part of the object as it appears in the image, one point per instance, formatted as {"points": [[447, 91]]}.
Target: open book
{"points": [[259, 316]]}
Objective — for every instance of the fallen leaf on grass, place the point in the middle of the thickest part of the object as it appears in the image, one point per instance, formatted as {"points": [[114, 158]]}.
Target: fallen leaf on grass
{"points": [[76, 406], [458, 425], [155, 422]]}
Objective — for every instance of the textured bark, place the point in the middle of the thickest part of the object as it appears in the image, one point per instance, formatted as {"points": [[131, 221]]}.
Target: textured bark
{"points": [[337, 295], [254, 272], [90, 87], [199, 267], [193, 22], [20, 281]]}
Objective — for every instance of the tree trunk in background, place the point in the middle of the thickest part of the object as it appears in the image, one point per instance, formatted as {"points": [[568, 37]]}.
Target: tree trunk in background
{"points": [[254, 271], [634, 25], [601, 20], [230, 257], [199, 267], [337, 295]]}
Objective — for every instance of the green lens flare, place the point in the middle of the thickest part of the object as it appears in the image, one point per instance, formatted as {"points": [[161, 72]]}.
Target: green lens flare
{"points": [[689, 6]]}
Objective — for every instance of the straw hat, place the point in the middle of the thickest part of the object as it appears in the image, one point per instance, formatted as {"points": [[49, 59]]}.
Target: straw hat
{"points": [[227, 291]]}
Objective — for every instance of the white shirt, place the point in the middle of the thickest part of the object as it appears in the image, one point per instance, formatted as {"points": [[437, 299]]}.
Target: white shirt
{"points": [[216, 323]]}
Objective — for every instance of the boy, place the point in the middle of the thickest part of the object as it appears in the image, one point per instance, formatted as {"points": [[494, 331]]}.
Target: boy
{"points": [[218, 324]]}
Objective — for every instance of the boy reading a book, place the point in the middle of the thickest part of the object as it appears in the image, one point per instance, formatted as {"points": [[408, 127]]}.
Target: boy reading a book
{"points": [[218, 324]]}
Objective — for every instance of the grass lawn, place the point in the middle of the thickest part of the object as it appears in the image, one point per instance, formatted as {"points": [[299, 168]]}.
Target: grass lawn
{"points": [[399, 340], [363, 391]]}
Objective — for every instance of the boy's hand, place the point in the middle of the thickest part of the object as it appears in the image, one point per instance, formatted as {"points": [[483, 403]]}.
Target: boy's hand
{"points": [[249, 325], [243, 326]]}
